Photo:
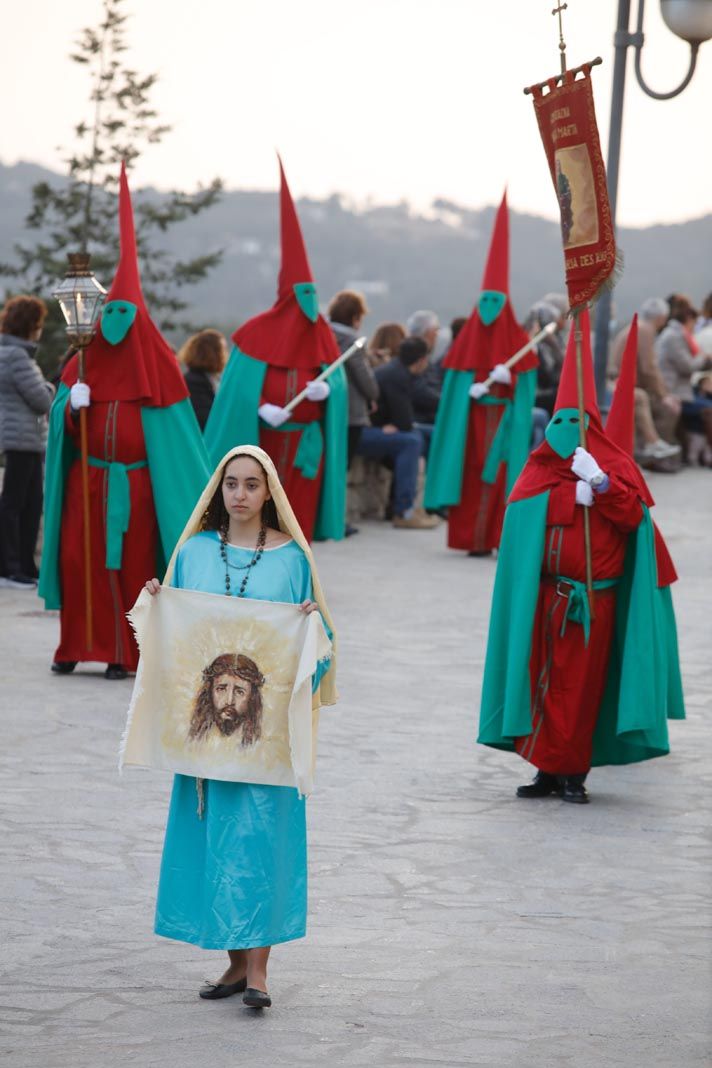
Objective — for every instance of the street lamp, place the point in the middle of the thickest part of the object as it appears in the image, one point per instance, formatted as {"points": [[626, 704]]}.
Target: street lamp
{"points": [[692, 21], [81, 297]]}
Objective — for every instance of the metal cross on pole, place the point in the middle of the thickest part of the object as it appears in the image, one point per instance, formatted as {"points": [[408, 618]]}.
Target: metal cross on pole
{"points": [[562, 43]]}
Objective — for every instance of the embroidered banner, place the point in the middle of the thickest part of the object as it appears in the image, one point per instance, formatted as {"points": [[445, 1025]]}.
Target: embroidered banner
{"points": [[567, 123], [223, 688]]}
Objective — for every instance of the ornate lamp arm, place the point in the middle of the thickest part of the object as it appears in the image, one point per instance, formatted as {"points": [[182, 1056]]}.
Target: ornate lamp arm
{"points": [[637, 40]]}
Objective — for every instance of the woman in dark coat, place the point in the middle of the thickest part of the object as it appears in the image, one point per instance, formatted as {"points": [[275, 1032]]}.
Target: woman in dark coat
{"points": [[25, 399], [204, 356]]}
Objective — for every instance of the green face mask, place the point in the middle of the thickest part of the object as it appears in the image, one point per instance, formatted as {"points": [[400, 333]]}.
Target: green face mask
{"points": [[490, 304], [117, 318], [305, 292], [562, 432]]}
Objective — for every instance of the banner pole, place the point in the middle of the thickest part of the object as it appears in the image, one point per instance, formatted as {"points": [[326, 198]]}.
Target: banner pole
{"points": [[582, 443]]}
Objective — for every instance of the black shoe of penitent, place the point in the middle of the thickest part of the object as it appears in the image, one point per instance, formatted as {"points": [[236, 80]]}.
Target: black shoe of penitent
{"points": [[115, 671], [573, 789], [63, 667], [542, 786]]}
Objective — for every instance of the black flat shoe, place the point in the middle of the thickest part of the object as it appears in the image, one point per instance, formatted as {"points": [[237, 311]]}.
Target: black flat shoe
{"points": [[256, 999], [480, 552], [63, 667], [211, 991], [116, 671], [542, 786]]}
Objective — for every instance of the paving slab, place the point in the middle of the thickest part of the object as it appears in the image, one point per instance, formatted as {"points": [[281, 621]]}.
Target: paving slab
{"points": [[450, 924]]}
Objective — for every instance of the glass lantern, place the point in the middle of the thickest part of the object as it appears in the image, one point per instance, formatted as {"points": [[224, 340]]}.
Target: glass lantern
{"points": [[689, 19], [81, 298]]}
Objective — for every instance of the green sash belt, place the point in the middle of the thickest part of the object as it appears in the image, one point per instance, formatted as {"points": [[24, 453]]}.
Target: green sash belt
{"points": [[310, 448], [118, 507], [498, 450], [578, 609]]}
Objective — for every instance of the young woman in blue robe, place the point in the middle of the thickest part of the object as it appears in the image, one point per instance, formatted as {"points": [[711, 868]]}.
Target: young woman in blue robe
{"points": [[234, 868]]}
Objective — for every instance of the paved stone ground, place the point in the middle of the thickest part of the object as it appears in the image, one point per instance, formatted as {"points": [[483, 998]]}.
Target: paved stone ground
{"points": [[449, 924]]}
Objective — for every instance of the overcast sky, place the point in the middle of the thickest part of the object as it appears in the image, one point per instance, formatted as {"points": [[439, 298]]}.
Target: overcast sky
{"points": [[381, 99]]}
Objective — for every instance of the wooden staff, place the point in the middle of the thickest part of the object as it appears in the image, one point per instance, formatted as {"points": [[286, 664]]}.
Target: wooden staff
{"points": [[550, 328], [327, 372], [84, 449], [582, 443]]}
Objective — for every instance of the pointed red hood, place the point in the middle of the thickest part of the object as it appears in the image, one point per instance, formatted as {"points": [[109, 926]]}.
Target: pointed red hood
{"points": [[295, 265], [567, 394], [143, 366], [620, 429], [620, 424], [284, 336], [496, 274], [127, 280], [479, 346]]}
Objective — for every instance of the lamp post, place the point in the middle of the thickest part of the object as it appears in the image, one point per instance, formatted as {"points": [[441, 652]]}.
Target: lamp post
{"points": [[692, 21], [81, 297]]}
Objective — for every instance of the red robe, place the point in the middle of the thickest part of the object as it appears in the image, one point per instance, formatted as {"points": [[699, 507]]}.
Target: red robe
{"points": [[567, 676], [475, 524], [114, 432], [281, 385]]}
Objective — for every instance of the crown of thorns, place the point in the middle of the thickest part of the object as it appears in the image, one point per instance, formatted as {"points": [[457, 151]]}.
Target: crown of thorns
{"points": [[234, 664]]}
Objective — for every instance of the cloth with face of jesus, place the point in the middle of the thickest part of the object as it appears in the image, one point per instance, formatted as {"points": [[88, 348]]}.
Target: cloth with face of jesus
{"points": [[224, 688]]}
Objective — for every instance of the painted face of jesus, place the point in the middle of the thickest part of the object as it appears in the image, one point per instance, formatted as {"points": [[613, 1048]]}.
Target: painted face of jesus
{"points": [[231, 697]]}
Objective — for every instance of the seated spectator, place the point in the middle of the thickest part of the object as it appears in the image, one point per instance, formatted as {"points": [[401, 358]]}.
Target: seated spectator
{"points": [[393, 435], [679, 356], [428, 386], [698, 444], [456, 326], [657, 410], [204, 356], [347, 311], [705, 318], [425, 325], [550, 353], [25, 399], [383, 346]]}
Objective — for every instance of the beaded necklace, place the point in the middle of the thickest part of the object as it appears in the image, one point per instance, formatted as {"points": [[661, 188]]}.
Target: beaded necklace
{"points": [[247, 568]]}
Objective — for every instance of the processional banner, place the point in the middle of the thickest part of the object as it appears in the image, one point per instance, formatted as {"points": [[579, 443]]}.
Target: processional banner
{"points": [[566, 116], [223, 688]]}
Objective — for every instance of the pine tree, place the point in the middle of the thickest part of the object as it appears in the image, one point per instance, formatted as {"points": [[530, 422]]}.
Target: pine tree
{"points": [[80, 212]]}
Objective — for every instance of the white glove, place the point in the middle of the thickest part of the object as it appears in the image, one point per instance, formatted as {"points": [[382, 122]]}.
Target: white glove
{"points": [[501, 374], [273, 414], [477, 390], [318, 391], [79, 396], [584, 465], [584, 494]]}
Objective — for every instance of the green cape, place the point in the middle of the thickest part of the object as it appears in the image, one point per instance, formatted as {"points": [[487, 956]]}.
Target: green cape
{"points": [[643, 685], [446, 459], [178, 466], [233, 421]]}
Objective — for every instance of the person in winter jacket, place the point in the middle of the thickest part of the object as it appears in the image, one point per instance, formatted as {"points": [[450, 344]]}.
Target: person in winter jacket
{"points": [[25, 399], [204, 356]]}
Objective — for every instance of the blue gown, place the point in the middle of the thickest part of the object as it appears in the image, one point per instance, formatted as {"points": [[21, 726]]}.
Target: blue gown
{"points": [[237, 877]]}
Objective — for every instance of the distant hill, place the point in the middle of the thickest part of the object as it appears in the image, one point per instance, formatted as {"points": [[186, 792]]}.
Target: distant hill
{"points": [[400, 259]]}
